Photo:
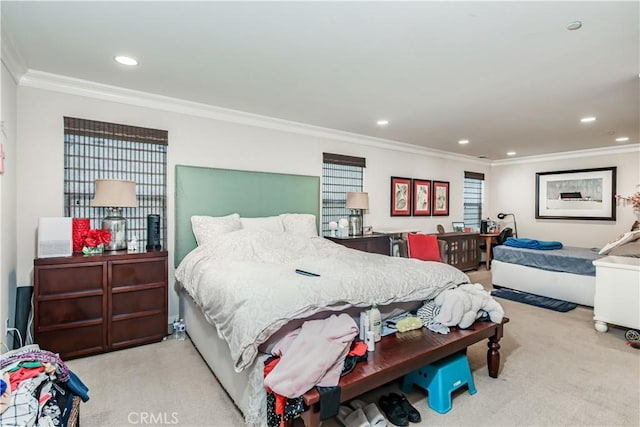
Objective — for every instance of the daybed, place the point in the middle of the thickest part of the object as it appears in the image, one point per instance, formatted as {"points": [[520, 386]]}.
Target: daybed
{"points": [[258, 296], [566, 274]]}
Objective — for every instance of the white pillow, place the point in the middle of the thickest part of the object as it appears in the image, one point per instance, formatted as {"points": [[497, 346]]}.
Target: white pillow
{"points": [[206, 228], [629, 236], [303, 224], [269, 223]]}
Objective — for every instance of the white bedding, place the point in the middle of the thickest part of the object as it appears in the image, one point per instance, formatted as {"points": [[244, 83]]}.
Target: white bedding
{"points": [[246, 285]]}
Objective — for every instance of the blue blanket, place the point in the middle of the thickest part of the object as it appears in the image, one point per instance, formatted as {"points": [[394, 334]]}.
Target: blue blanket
{"points": [[532, 244]]}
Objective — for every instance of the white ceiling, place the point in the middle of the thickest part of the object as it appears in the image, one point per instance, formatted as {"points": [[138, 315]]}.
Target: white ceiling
{"points": [[505, 75]]}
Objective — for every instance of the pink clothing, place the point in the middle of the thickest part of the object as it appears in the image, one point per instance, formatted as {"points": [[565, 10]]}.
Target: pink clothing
{"points": [[312, 355]]}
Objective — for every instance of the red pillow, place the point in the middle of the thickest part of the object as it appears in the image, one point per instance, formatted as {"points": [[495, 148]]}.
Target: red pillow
{"points": [[424, 247]]}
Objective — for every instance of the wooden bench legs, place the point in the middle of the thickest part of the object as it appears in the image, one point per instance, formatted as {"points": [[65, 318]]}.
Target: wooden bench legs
{"points": [[493, 353]]}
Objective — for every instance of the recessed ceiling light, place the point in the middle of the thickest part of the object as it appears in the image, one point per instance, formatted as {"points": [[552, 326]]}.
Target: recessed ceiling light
{"points": [[463, 141], [382, 122], [622, 139], [511, 153], [588, 119], [125, 60], [575, 25]]}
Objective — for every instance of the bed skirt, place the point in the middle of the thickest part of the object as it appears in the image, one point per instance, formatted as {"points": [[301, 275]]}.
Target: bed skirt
{"points": [[243, 386], [563, 286]]}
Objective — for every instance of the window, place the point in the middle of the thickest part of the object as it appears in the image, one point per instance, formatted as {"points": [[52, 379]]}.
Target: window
{"points": [[340, 175], [473, 198], [95, 150]]}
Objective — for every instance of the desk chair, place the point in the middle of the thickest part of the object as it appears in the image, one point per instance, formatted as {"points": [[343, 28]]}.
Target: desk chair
{"points": [[503, 236], [500, 239]]}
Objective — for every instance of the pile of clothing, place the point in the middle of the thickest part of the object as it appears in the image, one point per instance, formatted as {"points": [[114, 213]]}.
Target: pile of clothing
{"points": [[460, 306], [37, 389], [315, 355]]}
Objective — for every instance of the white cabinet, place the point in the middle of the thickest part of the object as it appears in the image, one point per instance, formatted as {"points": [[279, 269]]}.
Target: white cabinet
{"points": [[617, 298]]}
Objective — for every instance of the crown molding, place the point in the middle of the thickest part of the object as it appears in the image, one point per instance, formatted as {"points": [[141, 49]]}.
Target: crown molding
{"points": [[73, 86], [11, 58], [601, 151]]}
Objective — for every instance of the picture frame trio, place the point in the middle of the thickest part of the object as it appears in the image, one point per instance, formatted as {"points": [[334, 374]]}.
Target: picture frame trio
{"points": [[419, 197]]}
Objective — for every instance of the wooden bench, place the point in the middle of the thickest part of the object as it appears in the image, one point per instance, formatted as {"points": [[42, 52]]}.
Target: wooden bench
{"points": [[398, 354]]}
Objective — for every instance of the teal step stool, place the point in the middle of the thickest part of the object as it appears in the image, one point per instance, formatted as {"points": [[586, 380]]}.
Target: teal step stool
{"points": [[440, 379]]}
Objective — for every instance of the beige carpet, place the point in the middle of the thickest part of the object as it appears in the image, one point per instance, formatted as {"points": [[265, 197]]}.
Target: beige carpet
{"points": [[556, 370]]}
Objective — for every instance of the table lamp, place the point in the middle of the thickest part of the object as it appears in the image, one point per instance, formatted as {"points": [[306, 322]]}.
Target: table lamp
{"points": [[357, 202], [115, 195]]}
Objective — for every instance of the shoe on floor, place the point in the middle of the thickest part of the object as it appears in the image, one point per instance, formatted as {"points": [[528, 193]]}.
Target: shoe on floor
{"points": [[394, 411], [373, 414], [350, 418], [412, 413]]}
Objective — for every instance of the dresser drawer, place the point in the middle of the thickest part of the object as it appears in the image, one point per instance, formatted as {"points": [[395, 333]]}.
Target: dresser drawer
{"points": [[137, 273], [138, 330], [76, 278], [75, 342], [56, 312], [137, 301]]}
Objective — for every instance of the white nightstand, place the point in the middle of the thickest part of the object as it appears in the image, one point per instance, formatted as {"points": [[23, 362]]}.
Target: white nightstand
{"points": [[617, 297]]}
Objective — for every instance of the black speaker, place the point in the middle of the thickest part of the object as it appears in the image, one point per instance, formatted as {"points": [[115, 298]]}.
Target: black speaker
{"points": [[483, 226], [23, 311], [153, 232]]}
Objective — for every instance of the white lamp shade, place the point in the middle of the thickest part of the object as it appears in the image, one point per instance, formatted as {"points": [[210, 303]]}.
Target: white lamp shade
{"points": [[113, 193], [357, 200]]}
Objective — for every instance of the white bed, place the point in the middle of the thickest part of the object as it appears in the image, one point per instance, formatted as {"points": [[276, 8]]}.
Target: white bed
{"points": [[566, 274], [570, 287], [245, 283], [349, 279]]}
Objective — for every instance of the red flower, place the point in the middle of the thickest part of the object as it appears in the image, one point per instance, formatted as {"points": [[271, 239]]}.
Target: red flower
{"points": [[92, 239], [105, 235], [95, 237]]}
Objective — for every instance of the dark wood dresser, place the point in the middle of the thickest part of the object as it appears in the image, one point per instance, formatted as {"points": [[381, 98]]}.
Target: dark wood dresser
{"points": [[86, 305], [374, 243], [462, 250]]}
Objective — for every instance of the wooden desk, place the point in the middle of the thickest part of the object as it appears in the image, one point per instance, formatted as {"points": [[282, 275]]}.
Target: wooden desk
{"points": [[488, 239], [374, 243], [401, 353]]}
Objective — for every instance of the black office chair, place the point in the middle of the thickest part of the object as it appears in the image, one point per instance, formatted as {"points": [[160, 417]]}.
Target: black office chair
{"points": [[502, 237]]}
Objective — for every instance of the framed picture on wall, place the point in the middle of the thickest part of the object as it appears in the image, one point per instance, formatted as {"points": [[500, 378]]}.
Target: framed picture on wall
{"points": [[576, 194], [421, 197], [440, 201], [400, 196]]}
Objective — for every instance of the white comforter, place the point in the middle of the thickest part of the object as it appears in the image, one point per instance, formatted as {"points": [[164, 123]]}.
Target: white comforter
{"points": [[247, 286]]}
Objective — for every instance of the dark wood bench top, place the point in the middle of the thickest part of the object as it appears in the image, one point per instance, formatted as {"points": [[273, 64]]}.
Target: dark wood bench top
{"points": [[401, 353]]}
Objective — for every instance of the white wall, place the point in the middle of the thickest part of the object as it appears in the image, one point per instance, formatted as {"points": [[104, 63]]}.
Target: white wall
{"points": [[514, 185], [8, 239], [203, 141]]}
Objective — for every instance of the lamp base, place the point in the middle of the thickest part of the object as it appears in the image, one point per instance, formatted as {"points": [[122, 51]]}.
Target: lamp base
{"points": [[355, 223], [117, 225]]}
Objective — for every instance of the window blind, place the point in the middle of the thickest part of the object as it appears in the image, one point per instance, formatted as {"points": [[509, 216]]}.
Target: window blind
{"points": [[94, 150], [340, 174], [473, 198]]}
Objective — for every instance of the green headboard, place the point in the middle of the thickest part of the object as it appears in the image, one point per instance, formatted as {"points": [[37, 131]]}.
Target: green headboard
{"points": [[219, 192]]}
